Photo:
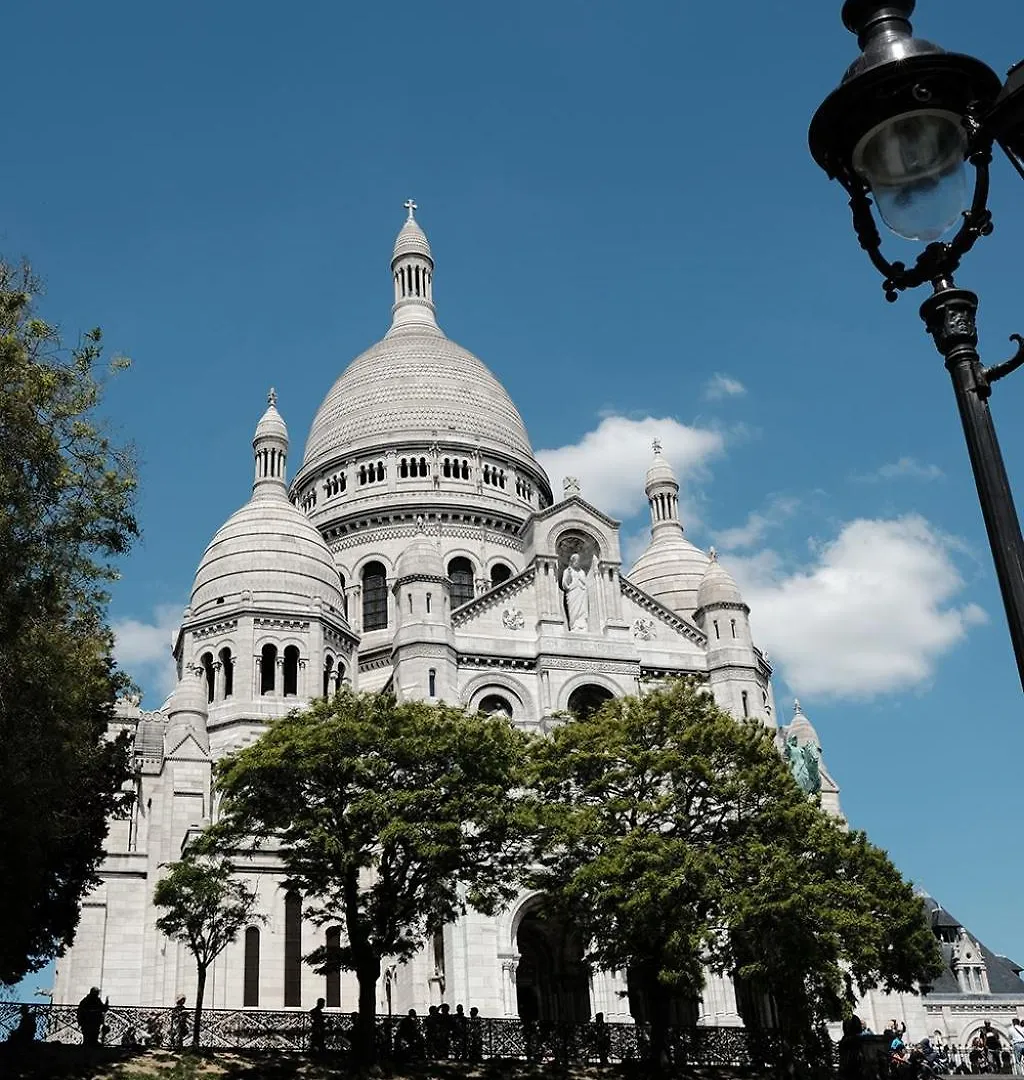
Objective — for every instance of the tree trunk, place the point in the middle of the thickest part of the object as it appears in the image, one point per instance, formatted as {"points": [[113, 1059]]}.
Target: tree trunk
{"points": [[658, 1003], [200, 993], [365, 1043]]}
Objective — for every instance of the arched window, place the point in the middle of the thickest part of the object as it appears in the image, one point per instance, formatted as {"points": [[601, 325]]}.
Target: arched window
{"points": [[268, 668], [291, 671], [465, 470], [717, 634], [432, 683], [499, 573], [587, 699], [447, 468], [251, 982], [228, 667], [328, 674], [403, 468], [207, 662], [487, 474], [732, 623], [380, 471], [293, 949], [332, 939], [375, 597], [362, 474], [460, 570], [423, 466], [746, 705], [495, 705]]}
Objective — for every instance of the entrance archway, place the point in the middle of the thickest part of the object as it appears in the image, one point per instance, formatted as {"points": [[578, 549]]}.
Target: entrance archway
{"points": [[588, 698], [552, 980]]}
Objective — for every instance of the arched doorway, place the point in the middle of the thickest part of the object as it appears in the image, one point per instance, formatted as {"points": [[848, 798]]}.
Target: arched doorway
{"points": [[552, 980], [588, 698]]}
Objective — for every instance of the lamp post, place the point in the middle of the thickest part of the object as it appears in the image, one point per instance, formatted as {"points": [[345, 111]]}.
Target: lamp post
{"points": [[901, 130]]}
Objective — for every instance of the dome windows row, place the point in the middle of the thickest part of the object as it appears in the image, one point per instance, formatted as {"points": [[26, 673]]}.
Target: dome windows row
{"points": [[412, 467], [277, 673], [372, 473]]}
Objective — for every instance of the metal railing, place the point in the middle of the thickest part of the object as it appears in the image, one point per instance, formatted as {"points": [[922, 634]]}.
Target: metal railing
{"points": [[453, 1038]]}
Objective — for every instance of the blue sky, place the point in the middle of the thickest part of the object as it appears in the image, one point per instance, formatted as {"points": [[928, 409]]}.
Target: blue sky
{"points": [[629, 230]]}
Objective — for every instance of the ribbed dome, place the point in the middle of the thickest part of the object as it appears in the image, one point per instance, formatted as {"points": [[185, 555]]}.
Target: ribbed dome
{"points": [[411, 240], [801, 727], [671, 570], [717, 586], [271, 425], [271, 550], [415, 383]]}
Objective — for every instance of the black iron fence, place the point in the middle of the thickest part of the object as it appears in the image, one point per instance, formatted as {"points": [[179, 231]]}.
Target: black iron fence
{"points": [[455, 1038]]}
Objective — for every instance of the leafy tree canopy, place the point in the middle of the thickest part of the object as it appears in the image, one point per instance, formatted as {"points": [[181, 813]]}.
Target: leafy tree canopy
{"points": [[206, 908], [391, 817], [674, 836], [66, 498]]}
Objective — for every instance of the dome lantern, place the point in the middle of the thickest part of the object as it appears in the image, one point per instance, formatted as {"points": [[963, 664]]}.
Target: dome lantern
{"points": [[662, 491], [270, 450], [412, 269]]}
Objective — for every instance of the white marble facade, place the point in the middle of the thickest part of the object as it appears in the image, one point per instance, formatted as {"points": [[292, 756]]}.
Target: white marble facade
{"points": [[418, 546]]}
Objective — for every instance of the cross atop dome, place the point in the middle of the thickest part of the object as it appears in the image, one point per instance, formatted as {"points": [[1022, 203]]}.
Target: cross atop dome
{"points": [[656, 444], [411, 207], [272, 397]]}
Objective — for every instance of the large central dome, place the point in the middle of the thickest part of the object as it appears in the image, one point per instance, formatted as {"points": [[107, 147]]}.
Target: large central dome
{"points": [[415, 384]]}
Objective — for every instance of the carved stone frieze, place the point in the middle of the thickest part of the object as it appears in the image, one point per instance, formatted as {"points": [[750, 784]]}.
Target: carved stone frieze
{"points": [[573, 663], [282, 624], [213, 629]]}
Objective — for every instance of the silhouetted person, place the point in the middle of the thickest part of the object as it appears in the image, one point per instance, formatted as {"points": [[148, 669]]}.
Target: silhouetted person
{"points": [[318, 1027], [459, 1033], [476, 1035], [432, 1023], [90, 1012], [25, 1032], [602, 1038], [179, 1024], [444, 1032], [407, 1035]]}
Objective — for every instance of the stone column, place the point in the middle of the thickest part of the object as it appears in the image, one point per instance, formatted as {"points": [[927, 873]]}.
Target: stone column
{"points": [[509, 998], [218, 680]]}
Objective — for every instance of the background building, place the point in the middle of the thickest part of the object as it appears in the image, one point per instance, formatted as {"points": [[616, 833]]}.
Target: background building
{"points": [[419, 547]]}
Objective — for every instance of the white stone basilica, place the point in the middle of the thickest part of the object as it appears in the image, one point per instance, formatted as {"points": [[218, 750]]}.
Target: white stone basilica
{"points": [[418, 547]]}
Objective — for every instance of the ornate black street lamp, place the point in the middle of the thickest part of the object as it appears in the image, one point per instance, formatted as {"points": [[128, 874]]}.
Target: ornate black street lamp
{"points": [[901, 129]]}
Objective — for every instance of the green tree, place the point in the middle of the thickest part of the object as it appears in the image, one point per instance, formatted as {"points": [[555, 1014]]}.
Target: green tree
{"points": [[66, 497], [391, 817], [664, 821], [206, 908]]}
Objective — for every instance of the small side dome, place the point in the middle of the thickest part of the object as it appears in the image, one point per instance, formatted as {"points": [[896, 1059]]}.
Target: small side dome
{"points": [[421, 559], [671, 570], [717, 586], [268, 552]]}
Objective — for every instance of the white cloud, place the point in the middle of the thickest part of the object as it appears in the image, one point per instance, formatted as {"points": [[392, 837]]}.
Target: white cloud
{"points": [[872, 613], [758, 523], [907, 468], [143, 649], [723, 386], [610, 461]]}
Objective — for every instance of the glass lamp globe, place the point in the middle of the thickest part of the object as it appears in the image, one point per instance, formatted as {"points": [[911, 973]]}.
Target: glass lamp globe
{"points": [[915, 166]]}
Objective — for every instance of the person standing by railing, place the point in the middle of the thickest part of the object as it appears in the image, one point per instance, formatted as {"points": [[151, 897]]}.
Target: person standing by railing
{"points": [[89, 1014], [179, 1024]]}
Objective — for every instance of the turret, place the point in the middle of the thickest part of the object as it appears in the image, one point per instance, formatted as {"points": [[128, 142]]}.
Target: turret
{"points": [[423, 652], [732, 662], [412, 268]]}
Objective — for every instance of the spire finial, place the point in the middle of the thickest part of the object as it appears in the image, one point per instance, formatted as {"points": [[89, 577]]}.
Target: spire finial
{"points": [[272, 397], [796, 707], [713, 554], [656, 443], [411, 207]]}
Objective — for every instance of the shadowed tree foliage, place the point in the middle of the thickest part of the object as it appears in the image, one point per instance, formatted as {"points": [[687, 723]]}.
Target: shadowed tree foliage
{"points": [[66, 497], [391, 818], [665, 821], [206, 909]]}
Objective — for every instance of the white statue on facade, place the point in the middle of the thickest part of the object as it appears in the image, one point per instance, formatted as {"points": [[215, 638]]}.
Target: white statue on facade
{"points": [[577, 600]]}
